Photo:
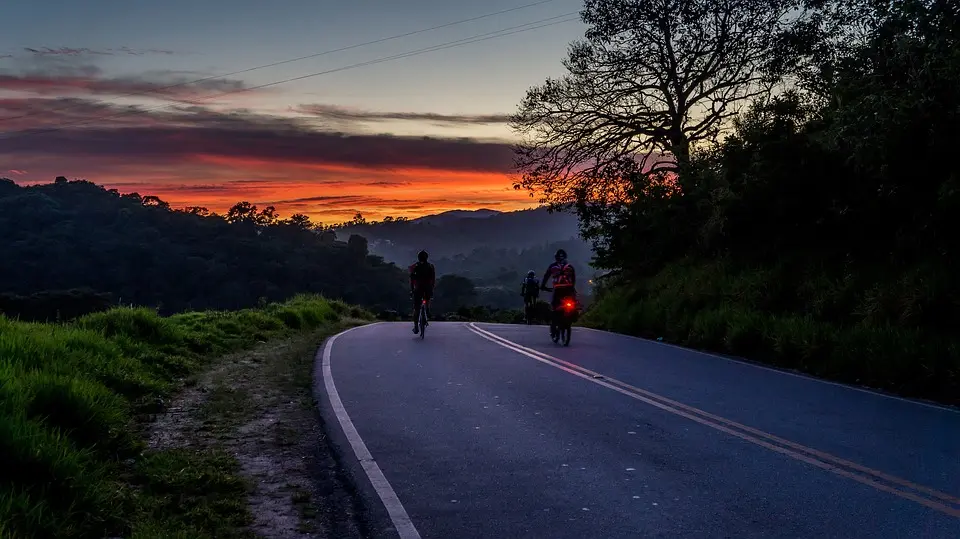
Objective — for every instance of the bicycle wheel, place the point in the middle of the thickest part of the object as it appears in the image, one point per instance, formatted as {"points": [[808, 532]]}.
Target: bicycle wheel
{"points": [[423, 322], [566, 336]]}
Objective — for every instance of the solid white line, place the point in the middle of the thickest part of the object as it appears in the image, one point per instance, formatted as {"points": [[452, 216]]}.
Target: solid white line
{"points": [[401, 520], [775, 370]]}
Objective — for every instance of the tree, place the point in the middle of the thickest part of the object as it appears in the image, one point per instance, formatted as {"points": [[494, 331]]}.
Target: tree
{"points": [[267, 216], [358, 220], [300, 220], [242, 212], [453, 292], [155, 201], [197, 210], [357, 246], [652, 80]]}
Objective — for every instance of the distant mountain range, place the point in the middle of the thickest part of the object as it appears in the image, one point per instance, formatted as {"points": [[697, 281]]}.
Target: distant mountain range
{"points": [[493, 249], [460, 232], [455, 215]]}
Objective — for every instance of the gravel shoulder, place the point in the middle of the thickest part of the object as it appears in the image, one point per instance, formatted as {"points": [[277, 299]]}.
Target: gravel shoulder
{"points": [[257, 406]]}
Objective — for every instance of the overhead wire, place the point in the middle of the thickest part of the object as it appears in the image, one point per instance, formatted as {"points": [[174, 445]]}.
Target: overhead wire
{"points": [[160, 89], [496, 34]]}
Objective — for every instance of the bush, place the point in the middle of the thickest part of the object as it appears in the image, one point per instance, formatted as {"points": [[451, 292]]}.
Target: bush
{"points": [[846, 329]]}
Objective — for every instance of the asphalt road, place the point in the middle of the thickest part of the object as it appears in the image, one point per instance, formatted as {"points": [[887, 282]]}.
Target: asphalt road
{"points": [[491, 430]]}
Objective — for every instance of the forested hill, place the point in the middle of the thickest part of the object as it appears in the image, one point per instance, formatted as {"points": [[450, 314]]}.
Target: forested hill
{"points": [[449, 234], [69, 235]]}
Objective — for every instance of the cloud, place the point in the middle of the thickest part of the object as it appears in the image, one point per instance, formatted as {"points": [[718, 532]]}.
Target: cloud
{"points": [[171, 88], [342, 114], [213, 157], [68, 72], [84, 51], [201, 133], [327, 199]]}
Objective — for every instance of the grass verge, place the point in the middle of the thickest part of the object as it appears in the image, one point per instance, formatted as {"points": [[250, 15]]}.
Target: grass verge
{"points": [[828, 330], [74, 399]]}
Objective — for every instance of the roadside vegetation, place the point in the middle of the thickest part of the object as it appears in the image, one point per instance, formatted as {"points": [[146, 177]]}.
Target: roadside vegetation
{"points": [[774, 179], [76, 403]]}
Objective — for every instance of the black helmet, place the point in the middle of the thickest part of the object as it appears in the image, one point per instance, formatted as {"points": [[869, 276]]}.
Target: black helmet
{"points": [[531, 273], [561, 254], [422, 256]]}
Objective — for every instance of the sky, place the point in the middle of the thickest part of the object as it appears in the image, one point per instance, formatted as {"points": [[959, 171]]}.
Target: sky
{"points": [[161, 98]]}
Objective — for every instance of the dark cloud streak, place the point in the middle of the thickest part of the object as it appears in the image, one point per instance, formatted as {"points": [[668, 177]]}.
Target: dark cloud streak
{"points": [[84, 51], [335, 113], [192, 132]]}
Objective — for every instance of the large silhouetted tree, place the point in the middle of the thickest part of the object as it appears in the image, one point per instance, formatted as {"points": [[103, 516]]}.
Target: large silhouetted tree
{"points": [[652, 80]]}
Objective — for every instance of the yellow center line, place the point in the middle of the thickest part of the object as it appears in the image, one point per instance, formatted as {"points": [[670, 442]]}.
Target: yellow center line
{"points": [[794, 450]]}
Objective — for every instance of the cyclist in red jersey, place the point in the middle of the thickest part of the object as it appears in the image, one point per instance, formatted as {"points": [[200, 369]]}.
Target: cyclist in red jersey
{"points": [[423, 277], [564, 278]]}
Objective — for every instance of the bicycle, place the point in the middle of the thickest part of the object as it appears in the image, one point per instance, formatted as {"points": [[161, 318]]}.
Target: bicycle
{"points": [[529, 311], [423, 318], [562, 318]]}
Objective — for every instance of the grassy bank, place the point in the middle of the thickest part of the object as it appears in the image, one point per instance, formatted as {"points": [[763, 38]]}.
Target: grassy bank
{"points": [[850, 330], [73, 400]]}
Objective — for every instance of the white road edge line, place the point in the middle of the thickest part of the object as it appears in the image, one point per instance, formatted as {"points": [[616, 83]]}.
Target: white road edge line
{"points": [[800, 375], [398, 515]]}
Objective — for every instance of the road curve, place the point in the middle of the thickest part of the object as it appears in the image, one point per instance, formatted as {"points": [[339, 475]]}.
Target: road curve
{"points": [[488, 430]]}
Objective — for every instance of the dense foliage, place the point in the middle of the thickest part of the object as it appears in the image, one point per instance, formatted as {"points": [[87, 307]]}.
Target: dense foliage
{"points": [[814, 231], [72, 235]]}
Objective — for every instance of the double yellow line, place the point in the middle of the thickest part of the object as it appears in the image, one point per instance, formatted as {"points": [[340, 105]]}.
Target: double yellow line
{"points": [[934, 499]]}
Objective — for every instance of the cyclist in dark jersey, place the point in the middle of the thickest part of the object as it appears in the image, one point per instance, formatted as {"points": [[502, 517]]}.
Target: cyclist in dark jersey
{"points": [[530, 290], [423, 277]]}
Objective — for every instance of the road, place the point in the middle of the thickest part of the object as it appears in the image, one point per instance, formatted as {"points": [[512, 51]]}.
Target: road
{"points": [[488, 430]]}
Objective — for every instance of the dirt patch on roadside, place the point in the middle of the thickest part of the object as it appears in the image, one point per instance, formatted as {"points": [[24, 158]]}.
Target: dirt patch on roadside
{"points": [[257, 405]]}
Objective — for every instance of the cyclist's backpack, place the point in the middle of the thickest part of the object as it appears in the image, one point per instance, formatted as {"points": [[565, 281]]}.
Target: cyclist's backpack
{"points": [[562, 275], [531, 287], [420, 272]]}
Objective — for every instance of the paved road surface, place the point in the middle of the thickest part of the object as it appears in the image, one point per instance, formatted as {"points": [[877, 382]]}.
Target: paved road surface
{"points": [[491, 430]]}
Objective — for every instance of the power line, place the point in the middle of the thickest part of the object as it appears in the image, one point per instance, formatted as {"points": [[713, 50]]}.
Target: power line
{"points": [[307, 57], [535, 25]]}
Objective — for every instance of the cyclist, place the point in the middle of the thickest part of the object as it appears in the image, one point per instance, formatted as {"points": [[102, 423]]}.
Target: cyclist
{"points": [[530, 290], [564, 280], [423, 277]]}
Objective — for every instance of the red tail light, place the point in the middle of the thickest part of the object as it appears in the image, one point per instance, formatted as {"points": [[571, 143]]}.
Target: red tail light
{"points": [[569, 305]]}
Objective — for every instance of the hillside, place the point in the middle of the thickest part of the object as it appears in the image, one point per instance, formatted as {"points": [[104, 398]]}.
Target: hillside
{"points": [[460, 232], [78, 235], [493, 249]]}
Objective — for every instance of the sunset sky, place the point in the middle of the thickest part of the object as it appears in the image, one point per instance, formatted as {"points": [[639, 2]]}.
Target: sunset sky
{"points": [[403, 137]]}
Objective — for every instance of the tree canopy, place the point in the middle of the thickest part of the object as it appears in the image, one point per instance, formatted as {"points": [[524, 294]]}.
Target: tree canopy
{"points": [[77, 235], [840, 164], [651, 80]]}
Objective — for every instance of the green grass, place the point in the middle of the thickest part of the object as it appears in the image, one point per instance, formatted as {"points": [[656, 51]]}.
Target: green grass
{"points": [[847, 329], [74, 462]]}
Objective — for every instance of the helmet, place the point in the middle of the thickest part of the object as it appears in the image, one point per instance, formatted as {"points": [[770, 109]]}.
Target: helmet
{"points": [[422, 256], [531, 273], [561, 254]]}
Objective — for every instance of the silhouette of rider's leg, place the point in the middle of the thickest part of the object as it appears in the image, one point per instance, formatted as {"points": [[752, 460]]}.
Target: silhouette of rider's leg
{"points": [[417, 302]]}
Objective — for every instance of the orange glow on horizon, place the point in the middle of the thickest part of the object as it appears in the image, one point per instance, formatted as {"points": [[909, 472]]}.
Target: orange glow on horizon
{"points": [[327, 193]]}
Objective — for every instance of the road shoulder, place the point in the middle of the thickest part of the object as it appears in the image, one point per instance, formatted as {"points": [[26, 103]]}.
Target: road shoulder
{"points": [[256, 407]]}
